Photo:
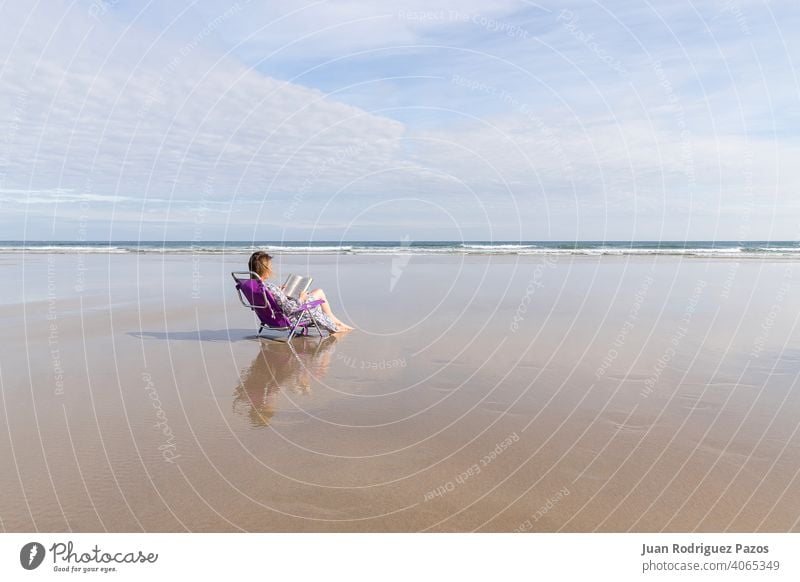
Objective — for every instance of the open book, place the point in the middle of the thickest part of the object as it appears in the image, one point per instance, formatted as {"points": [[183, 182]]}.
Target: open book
{"points": [[295, 285]]}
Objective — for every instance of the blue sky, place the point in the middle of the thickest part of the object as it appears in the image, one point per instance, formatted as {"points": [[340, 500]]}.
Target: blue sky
{"points": [[383, 120]]}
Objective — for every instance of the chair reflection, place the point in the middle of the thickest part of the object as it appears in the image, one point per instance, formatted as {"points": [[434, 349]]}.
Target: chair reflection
{"points": [[280, 366]]}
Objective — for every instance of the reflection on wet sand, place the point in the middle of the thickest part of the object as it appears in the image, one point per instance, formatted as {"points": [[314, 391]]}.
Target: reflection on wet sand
{"points": [[280, 366]]}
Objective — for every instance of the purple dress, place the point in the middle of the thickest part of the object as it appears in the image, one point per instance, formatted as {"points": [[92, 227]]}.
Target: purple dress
{"points": [[288, 305]]}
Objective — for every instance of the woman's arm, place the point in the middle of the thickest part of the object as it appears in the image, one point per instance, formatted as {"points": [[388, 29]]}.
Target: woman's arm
{"points": [[286, 303]]}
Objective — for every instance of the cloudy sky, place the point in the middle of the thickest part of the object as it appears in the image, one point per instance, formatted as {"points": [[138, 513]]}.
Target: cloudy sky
{"points": [[372, 119]]}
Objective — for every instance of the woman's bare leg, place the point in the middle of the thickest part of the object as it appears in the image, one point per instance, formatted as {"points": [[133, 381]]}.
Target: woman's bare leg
{"points": [[326, 309]]}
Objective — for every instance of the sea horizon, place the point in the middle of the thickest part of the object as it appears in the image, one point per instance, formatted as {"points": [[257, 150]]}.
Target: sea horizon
{"points": [[702, 248]]}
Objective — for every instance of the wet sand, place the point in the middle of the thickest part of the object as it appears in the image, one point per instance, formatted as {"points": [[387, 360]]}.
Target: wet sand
{"points": [[490, 393]]}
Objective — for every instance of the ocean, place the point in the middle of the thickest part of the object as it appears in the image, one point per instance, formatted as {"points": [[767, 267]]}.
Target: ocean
{"points": [[766, 249]]}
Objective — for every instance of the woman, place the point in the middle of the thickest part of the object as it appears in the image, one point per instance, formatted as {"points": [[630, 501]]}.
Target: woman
{"points": [[261, 264]]}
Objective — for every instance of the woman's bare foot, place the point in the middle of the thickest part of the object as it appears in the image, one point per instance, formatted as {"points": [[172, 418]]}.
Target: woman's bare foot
{"points": [[343, 326]]}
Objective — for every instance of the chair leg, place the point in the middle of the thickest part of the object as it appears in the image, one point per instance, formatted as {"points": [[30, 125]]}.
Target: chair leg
{"points": [[319, 329], [295, 326]]}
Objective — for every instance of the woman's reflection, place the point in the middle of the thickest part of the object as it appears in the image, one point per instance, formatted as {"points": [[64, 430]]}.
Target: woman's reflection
{"points": [[279, 366]]}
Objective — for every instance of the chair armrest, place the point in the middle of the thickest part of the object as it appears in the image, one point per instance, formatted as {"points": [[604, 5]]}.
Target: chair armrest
{"points": [[308, 305]]}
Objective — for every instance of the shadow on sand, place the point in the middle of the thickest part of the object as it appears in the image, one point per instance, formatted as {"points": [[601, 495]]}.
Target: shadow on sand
{"points": [[208, 335]]}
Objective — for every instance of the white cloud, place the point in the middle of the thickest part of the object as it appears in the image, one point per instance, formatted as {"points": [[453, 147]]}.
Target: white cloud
{"points": [[157, 114], [339, 27], [158, 118], [53, 196]]}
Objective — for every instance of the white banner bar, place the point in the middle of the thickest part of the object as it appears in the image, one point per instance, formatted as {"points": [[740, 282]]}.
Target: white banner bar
{"points": [[401, 557]]}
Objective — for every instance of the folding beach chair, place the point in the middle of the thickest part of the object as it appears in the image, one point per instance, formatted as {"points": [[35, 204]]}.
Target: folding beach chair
{"points": [[254, 295]]}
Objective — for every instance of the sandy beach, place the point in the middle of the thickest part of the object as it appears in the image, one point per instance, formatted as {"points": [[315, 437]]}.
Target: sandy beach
{"points": [[488, 393]]}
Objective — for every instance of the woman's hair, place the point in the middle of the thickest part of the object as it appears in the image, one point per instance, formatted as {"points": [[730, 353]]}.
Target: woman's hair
{"points": [[261, 264]]}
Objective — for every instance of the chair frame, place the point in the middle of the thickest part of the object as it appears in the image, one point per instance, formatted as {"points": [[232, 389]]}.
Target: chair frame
{"points": [[300, 320]]}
